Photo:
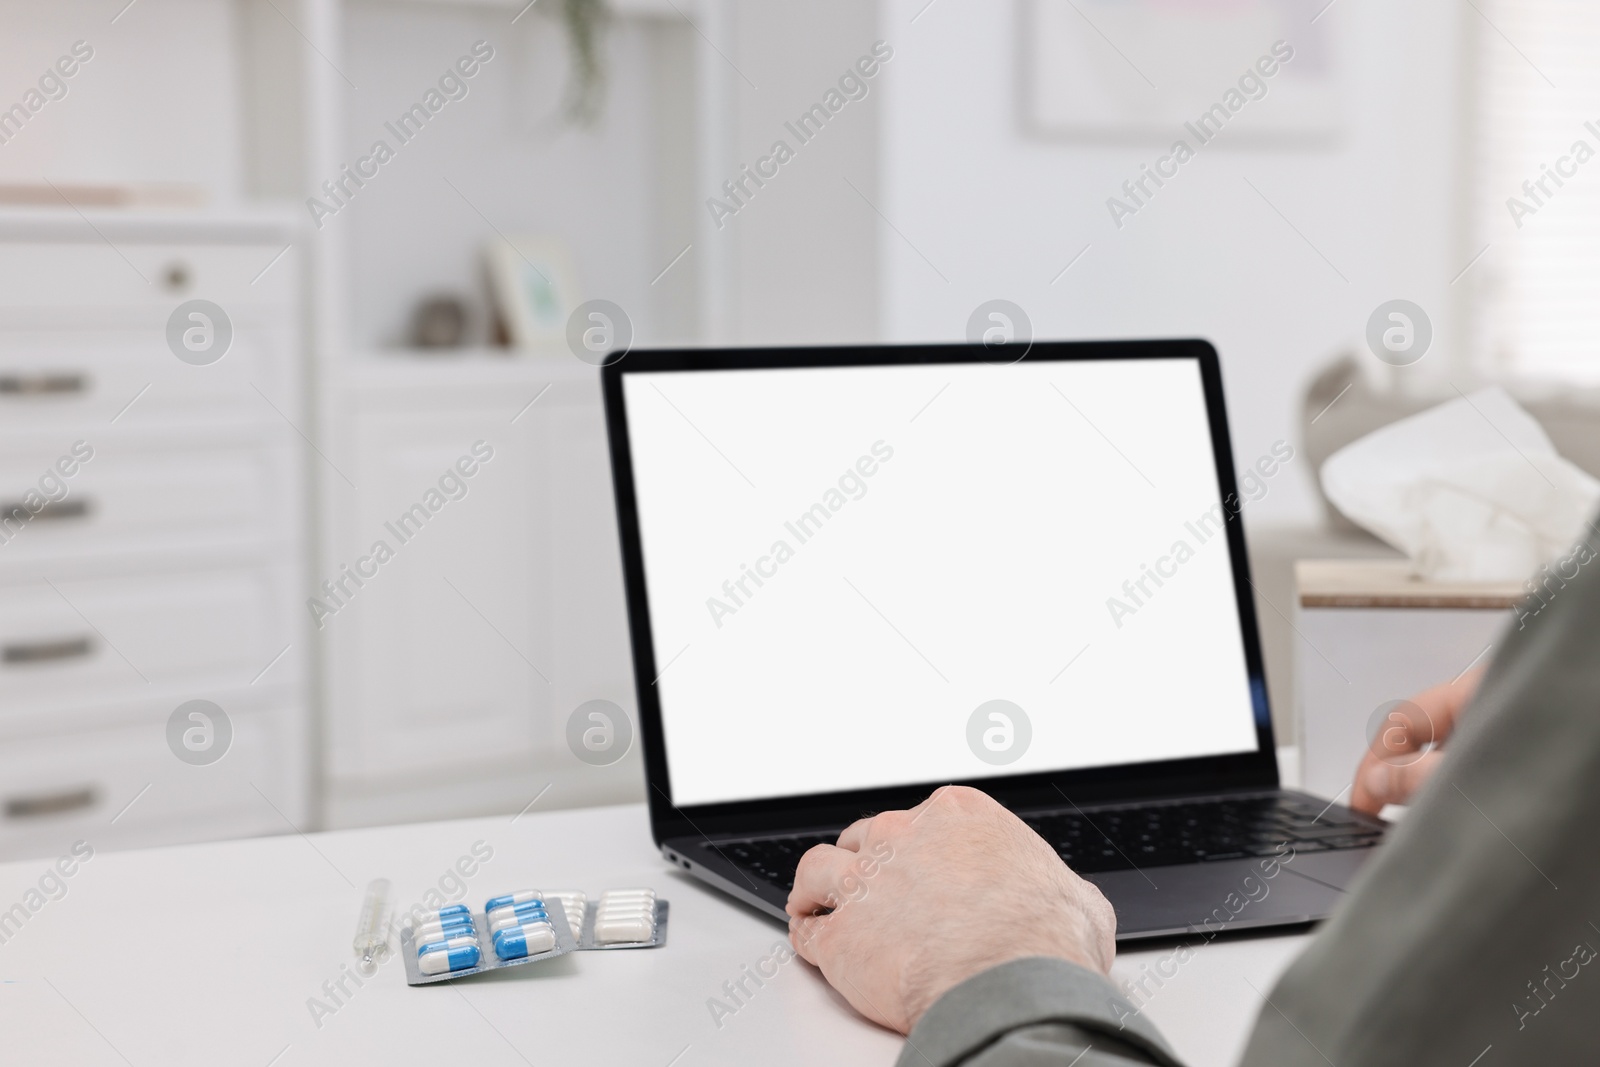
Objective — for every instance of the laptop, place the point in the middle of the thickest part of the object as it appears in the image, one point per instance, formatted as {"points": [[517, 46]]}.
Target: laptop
{"points": [[856, 574]]}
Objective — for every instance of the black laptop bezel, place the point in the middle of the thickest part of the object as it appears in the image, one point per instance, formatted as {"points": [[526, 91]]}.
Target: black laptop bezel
{"points": [[1250, 771]]}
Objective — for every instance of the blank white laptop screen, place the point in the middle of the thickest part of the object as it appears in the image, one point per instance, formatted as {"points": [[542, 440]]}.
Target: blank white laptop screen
{"points": [[843, 564]]}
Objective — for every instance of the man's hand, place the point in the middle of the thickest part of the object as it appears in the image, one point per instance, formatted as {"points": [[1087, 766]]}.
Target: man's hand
{"points": [[1397, 762], [926, 898]]}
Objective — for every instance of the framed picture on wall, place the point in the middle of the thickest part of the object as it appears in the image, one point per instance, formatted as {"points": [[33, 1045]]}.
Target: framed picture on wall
{"points": [[535, 289], [1252, 73]]}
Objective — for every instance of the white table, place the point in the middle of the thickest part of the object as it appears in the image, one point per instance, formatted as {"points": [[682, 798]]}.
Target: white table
{"points": [[210, 954]]}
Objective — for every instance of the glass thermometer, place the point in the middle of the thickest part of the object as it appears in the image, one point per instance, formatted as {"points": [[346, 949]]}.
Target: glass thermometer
{"points": [[372, 932]]}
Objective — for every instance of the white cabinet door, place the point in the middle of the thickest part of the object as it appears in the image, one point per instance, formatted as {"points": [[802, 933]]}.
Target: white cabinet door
{"points": [[437, 658], [453, 668], [589, 640]]}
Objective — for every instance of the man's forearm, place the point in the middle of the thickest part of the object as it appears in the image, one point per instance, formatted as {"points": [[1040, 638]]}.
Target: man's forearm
{"points": [[1031, 1013], [1473, 928], [1472, 931]]}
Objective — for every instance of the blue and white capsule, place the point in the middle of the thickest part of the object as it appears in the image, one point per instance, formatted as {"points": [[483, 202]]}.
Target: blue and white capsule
{"points": [[436, 931], [516, 909], [456, 919], [524, 905], [519, 918], [518, 942], [446, 946], [522, 896], [453, 959], [526, 924]]}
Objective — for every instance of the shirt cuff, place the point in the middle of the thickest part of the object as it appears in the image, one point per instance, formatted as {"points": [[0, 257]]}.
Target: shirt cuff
{"points": [[1027, 992]]}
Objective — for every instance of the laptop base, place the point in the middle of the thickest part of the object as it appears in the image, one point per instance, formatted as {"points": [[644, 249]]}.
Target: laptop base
{"points": [[1290, 887]]}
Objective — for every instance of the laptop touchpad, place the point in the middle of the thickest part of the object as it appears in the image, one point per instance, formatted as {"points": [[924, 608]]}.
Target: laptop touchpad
{"points": [[1211, 898]]}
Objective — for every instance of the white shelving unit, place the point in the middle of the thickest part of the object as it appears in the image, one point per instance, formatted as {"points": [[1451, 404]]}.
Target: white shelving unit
{"points": [[448, 679], [443, 688]]}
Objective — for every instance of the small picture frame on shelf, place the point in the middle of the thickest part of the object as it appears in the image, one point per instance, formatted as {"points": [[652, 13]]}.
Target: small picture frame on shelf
{"points": [[535, 289]]}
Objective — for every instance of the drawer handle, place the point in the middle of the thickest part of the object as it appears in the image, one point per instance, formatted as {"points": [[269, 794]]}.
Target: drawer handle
{"points": [[43, 804], [46, 651], [47, 384], [53, 509]]}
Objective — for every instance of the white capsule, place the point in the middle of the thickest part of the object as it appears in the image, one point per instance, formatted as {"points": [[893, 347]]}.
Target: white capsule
{"points": [[573, 910], [572, 902], [621, 894], [627, 902], [609, 931], [617, 905]]}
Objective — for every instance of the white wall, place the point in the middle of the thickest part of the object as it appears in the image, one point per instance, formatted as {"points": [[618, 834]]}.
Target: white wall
{"points": [[1000, 213], [802, 254], [156, 103]]}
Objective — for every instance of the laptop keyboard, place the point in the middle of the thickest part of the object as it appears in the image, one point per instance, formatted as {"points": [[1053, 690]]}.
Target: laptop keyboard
{"points": [[1115, 839], [1127, 838], [771, 859]]}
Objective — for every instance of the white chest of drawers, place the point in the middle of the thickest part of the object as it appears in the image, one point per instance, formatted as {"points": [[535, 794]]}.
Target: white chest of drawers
{"points": [[169, 566]]}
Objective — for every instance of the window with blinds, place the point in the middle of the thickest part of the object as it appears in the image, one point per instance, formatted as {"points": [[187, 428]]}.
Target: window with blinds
{"points": [[1537, 144]]}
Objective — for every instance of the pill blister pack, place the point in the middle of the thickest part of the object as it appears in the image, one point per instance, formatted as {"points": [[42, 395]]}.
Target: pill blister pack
{"points": [[528, 926], [621, 918], [512, 930]]}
